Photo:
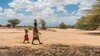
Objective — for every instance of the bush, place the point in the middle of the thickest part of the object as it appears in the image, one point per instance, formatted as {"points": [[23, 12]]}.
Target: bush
{"points": [[1, 25], [62, 26], [8, 25]]}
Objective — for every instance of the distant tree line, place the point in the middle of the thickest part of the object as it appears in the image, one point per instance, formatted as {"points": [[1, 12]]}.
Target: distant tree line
{"points": [[12, 23]]}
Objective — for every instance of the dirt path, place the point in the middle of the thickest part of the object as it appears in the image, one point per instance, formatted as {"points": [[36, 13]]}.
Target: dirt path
{"points": [[14, 37]]}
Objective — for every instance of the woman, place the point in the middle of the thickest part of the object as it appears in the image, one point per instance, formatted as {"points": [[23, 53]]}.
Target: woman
{"points": [[36, 35]]}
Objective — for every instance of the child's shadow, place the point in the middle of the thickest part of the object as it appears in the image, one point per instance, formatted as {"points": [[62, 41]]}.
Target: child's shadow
{"points": [[23, 43]]}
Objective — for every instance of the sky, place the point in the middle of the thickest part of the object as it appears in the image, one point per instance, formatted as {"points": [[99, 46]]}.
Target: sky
{"points": [[53, 12]]}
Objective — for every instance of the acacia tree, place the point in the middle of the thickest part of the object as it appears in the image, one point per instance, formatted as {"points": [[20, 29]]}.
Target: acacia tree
{"points": [[14, 22]]}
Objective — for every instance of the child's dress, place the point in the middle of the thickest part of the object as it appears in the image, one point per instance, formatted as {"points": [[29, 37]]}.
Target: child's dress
{"points": [[26, 37]]}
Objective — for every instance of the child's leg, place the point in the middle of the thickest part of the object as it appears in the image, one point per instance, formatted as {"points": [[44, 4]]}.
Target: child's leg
{"points": [[28, 41], [24, 41]]}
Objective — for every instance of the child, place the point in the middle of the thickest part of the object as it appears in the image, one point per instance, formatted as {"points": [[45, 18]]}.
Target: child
{"points": [[36, 35], [26, 38]]}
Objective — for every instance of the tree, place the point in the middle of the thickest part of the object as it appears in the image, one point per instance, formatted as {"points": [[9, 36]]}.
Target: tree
{"points": [[43, 25], [92, 20], [62, 26], [14, 22], [86, 23]]}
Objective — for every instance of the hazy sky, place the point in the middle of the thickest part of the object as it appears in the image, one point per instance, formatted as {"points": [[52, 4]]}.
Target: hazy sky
{"points": [[52, 11]]}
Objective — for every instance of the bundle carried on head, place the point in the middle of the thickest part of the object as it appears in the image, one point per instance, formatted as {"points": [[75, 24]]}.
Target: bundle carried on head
{"points": [[35, 23], [26, 30]]}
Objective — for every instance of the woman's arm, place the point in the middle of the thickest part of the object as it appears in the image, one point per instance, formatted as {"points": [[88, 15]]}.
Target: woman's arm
{"points": [[39, 32]]}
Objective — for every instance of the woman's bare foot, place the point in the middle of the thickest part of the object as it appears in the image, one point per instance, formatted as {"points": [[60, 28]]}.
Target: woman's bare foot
{"points": [[41, 43]]}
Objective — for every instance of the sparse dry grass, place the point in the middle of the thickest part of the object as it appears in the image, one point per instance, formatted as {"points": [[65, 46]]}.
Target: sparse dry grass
{"points": [[51, 50]]}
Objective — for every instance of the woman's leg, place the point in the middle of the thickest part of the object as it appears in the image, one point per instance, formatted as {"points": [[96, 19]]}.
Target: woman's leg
{"points": [[33, 40], [39, 40]]}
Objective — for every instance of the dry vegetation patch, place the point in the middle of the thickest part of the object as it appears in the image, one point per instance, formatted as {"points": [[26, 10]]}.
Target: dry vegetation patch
{"points": [[51, 50]]}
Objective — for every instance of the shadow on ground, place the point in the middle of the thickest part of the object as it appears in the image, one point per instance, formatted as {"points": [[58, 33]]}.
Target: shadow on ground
{"points": [[93, 33], [51, 50]]}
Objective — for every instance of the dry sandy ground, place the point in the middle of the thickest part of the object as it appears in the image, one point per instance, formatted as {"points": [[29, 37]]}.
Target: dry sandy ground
{"points": [[56, 42], [14, 37]]}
